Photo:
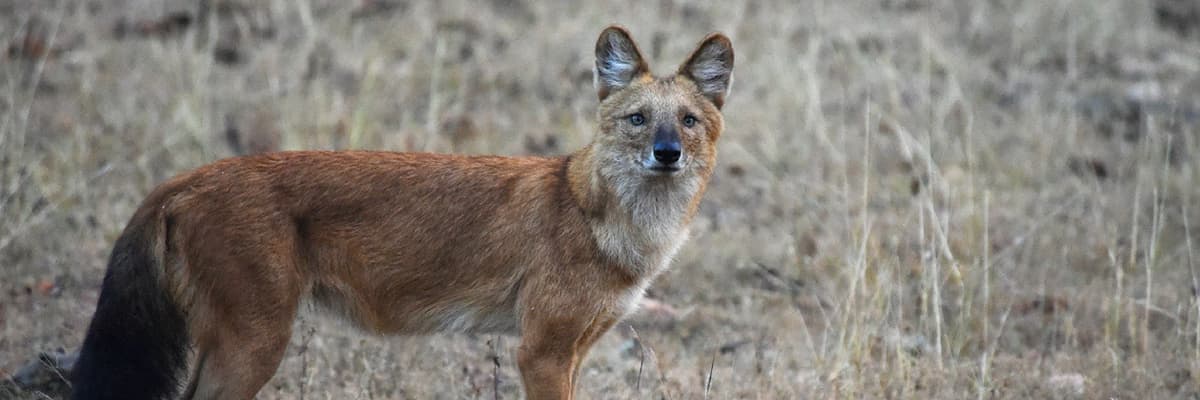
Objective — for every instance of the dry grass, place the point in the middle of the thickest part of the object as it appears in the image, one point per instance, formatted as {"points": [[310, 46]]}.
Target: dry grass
{"points": [[916, 198]]}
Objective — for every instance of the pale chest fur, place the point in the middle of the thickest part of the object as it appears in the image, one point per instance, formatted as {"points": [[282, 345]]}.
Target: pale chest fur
{"points": [[647, 224], [645, 231], [659, 262]]}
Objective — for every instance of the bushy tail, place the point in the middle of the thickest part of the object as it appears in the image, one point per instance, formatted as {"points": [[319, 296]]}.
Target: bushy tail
{"points": [[136, 346]]}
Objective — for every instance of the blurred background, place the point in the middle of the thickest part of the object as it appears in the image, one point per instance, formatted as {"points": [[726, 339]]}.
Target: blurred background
{"points": [[915, 198]]}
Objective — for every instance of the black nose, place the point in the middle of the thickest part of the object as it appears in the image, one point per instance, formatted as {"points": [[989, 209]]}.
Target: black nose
{"points": [[667, 152]]}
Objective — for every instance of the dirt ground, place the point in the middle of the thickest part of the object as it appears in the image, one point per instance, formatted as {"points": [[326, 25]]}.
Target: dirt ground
{"points": [[933, 199]]}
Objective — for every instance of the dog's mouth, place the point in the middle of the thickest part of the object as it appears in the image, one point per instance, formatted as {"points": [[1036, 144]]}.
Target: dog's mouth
{"points": [[666, 169], [657, 169]]}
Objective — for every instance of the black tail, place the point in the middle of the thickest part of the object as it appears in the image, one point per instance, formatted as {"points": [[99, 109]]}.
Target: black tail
{"points": [[136, 347]]}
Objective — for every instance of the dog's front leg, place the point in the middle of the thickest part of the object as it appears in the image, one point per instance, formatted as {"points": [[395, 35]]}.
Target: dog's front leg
{"points": [[548, 357]]}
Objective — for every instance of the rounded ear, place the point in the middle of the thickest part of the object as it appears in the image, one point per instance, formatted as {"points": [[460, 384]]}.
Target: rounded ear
{"points": [[711, 67], [618, 61]]}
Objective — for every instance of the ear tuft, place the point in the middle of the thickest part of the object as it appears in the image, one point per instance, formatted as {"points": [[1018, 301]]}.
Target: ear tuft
{"points": [[618, 61], [711, 67]]}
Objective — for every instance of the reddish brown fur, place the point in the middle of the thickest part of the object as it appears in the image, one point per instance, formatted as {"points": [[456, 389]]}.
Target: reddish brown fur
{"points": [[558, 249], [317, 224]]}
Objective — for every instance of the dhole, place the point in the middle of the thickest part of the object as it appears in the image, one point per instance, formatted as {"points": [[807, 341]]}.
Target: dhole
{"points": [[205, 281]]}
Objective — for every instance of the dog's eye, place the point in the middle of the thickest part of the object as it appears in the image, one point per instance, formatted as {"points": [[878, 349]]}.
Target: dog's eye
{"points": [[637, 119], [689, 121]]}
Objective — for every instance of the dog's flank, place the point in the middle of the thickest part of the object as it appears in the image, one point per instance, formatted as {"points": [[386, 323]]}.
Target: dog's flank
{"points": [[217, 262]]}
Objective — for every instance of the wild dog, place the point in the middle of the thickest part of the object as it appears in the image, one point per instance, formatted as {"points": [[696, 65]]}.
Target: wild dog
{"points": [[205, 281]]}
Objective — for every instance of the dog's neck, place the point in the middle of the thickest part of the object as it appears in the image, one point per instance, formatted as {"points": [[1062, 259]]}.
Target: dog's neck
{"points": [[638, 222]]}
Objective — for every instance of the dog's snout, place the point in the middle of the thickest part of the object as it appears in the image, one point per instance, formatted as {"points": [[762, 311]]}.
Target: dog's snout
{"points": [[666, 152], [667, 149]]}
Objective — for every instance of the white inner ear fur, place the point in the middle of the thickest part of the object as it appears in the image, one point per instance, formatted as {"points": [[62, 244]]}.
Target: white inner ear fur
{"points": [[710, 72], [617, 68]]}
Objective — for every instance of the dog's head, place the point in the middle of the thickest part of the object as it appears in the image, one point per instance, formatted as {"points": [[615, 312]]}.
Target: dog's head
{"points": [[660, 127]]}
